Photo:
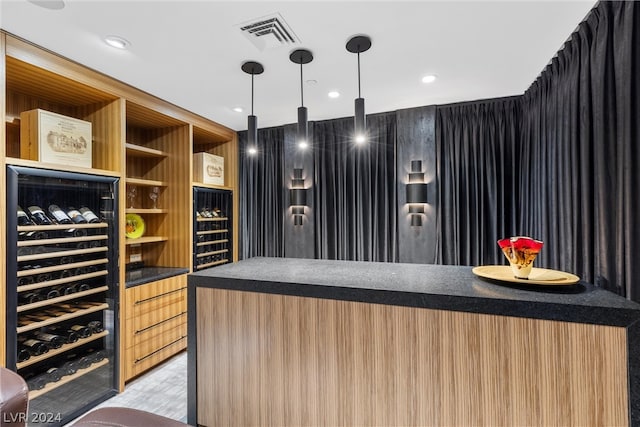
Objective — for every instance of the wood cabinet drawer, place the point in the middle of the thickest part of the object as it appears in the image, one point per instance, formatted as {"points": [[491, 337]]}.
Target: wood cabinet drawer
{"points": [[137, 365], [156, 296], [155, 332]]}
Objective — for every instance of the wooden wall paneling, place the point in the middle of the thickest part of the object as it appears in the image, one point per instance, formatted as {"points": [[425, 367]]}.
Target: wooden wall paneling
{"points": [[267, 359], [175, 170], [108, 137], [4, 130]]}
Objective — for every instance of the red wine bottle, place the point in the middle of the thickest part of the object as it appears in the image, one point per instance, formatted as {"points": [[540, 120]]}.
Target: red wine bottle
{"points": [[58, 215], [95, 326], [76, 216], [38, 216], [23, 218]]}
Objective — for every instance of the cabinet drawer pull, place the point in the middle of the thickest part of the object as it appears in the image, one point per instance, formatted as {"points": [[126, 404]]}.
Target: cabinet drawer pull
{"points": [[160, 349], [139, 331], [159, 296]]}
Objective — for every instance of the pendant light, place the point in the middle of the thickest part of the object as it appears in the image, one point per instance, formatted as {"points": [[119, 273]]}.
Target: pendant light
{"points": [[359, 44], [302, 56], [253, 68]]}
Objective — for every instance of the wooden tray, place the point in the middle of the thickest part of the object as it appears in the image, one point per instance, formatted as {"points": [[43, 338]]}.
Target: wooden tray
{"points": [[538, 276]]}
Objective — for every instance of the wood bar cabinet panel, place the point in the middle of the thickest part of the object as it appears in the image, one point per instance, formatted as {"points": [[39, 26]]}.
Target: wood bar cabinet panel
{"points": [[295, 342], [283, 360]]}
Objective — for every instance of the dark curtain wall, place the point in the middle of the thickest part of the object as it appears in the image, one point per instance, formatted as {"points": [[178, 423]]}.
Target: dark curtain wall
{"points": [[263, 203], [559, 163], [477, 167], [355, 197], [581, 192]]}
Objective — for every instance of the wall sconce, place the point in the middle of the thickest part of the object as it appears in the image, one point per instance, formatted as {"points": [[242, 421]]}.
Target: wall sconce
{"points": [[416, 193], [297, 196]]}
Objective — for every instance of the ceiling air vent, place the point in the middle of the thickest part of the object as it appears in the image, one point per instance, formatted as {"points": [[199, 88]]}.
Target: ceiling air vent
{"points": [[269, 32]]}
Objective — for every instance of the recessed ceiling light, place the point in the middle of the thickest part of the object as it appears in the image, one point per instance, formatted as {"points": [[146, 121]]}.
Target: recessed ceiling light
{"points": [[117, 42], [333, 94], [312, 82], [429, 78], [49, 4], [238, 109]]}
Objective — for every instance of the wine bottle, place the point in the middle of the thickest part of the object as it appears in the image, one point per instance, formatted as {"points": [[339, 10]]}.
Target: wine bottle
{"points": [[68, 335], [23, 218], [54, 374], [35, 347], [59, 215], [26, 280], [44, 277], [82, 245], [76, 216], [89, 215], [75, 232], [82, 331], [38, 216], [83, 287], [69, 368], [23, 354], [67, 289], [51, 293], [84, 362], [38, 382], [53, 341], [25, 250], [95, 326], [30, 297]]}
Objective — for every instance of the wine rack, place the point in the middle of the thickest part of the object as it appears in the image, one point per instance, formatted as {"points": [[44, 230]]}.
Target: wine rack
{"points": [[212, 241], [61, 289]]}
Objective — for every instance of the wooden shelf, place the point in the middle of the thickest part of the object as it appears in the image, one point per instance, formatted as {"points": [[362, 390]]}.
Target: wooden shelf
{"points": [[62, 253], [212, 242], [60, 267], [204, 254], [66, 379], [52, 166], [54, 227], [211, 186], [204, 232], [62, 298], [58, 319], [146, 182], [146, 211], [77, 278], [56, 351], [221, 218], [142, 151], [146, 239], [42, 242], [211, 264]]}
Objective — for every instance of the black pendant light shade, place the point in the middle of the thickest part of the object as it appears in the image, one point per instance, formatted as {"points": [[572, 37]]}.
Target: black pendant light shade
{"points": [[302, 56], [359, 44], [253, 68]]}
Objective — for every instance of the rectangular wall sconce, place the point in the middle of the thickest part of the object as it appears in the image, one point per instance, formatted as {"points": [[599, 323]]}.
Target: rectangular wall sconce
{"points": [[297, 197], [416, 192]]}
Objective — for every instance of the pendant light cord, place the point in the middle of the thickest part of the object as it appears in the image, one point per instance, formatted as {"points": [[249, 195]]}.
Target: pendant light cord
{"points": [[301, 87], [359, 94], [252, 93]]}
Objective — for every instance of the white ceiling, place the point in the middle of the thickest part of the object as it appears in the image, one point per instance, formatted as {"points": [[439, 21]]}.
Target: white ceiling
{"points": [[190, 52]]}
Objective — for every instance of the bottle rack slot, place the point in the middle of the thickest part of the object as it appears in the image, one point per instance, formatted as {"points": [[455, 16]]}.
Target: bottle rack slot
{"points": [[66, 379], [205, 232], [57, 351], [62, 253], [62, 240], [211, 264], [56, 227], [212, 242], [204, 254], [212, 219], [62, 298], [62, 267], [64, 317]]}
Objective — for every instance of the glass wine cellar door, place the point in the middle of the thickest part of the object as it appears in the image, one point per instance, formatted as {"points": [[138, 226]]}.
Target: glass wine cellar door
{"points": [[62, 289]]}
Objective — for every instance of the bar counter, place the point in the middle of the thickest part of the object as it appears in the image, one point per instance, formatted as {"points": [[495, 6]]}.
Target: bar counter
{"points": [[279, 341]]}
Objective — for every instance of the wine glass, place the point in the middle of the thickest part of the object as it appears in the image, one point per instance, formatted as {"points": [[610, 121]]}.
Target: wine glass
{"points": [[153, 195], [131, 195]]}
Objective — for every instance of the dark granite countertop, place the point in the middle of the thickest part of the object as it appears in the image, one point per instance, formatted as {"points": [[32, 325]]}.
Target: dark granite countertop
{"points": [[144, 275], [420, 285]]}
